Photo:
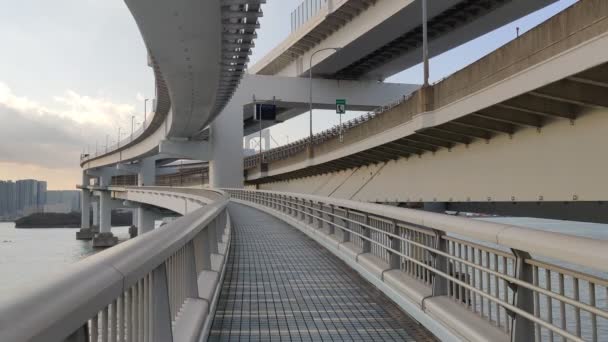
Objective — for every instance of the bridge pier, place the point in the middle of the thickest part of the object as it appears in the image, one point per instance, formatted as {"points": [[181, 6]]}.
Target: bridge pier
{"points": [[146, 174], [105, 238], [145, 220], [85, 232], [226, 143], [133, 230], [95, 207]]}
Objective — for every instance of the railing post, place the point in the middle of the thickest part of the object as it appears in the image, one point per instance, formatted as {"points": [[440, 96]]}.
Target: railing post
{"points": [[284, 202], [204, 246], [440, 284], [310, 212], [320, 222], [161, 313], [395, 244], [219, 229], [366, 232], [523, 298], [332, 220], [302, 210], [345, 230], [191, 273]]}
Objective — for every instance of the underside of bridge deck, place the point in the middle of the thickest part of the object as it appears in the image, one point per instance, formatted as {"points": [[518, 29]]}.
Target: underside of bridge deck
{"points": [[282, 285]]}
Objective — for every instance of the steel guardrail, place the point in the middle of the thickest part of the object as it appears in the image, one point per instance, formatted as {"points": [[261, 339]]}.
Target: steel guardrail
{"points": [[135, 291], [531, 284], [290, 149]]}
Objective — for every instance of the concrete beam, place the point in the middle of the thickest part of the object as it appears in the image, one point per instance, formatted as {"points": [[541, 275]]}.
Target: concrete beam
{"points": [[292, 95], [195, 150]]}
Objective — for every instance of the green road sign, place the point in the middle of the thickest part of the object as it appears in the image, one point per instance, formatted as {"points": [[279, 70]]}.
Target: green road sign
{"points": [[341, 106]]}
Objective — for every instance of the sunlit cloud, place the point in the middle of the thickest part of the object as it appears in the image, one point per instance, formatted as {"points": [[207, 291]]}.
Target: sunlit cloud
{"points": [[34, 134]]}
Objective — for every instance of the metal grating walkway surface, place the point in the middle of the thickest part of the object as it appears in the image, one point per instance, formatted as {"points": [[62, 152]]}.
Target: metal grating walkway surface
{"points": [[280, 285]]}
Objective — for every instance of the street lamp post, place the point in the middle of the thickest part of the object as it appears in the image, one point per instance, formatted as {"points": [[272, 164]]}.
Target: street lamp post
{"points": [[145, 109], [425, 45], [310, 76], [118, 140]]}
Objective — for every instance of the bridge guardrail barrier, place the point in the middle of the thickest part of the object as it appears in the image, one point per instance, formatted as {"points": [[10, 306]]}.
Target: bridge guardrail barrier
{"points": [[517, 283], [160, 286], [285, 151]]}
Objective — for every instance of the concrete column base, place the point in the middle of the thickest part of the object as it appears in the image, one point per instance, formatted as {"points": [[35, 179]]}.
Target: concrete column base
{"points": [[85, 234], [103, 240], [132, 231]]}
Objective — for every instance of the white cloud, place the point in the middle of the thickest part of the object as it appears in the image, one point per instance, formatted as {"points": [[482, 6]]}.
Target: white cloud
{"points": [[98, 111], [31, 133], [22, 104], [82, 109]]}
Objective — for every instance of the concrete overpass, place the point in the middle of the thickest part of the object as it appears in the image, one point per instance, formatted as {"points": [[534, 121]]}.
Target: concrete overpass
{"points": [[265, 265], [495, 132], [198, 52], [191, 90], [380, 38]]}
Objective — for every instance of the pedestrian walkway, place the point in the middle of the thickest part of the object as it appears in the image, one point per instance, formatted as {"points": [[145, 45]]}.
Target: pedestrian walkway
{"points": [[281, 285]]}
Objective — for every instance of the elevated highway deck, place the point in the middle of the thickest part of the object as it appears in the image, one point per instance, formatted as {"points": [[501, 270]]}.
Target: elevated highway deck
{"points": [[523, 124], [380, 38]]}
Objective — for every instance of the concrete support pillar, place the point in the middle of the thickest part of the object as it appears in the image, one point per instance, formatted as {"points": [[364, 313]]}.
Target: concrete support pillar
{"points": [[95, 205], [105, 178], [146, 176], [105, 238], [105, 212], [85, 232], [145, 219], [85, 222], [134, 223], [135, 218], [226, 165]]}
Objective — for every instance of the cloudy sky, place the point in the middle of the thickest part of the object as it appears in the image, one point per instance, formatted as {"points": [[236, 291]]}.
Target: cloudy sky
{"points": [[73, 71]]}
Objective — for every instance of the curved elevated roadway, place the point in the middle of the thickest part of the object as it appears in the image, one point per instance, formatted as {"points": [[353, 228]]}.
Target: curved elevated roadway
{"points": [[199, 51]]}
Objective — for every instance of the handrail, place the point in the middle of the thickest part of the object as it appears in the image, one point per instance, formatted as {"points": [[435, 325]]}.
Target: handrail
{"points": [[575, 250], [509, 288], [135, 289], [133, 137], [306, 10]]}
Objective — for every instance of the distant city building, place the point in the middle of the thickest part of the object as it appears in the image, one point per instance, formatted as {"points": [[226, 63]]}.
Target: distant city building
{"points": [[62, 208], [7, 198], [41, 199], [28, 196], [62, 201]]}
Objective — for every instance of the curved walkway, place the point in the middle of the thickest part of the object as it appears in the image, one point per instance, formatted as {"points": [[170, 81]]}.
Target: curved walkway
{"points": [[281, 285]]}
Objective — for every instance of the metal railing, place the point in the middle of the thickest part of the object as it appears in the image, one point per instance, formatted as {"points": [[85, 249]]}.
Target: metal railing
{"points": [[136, 291], [121, 143], [286, 151], [531, 284], [306, 10]]}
